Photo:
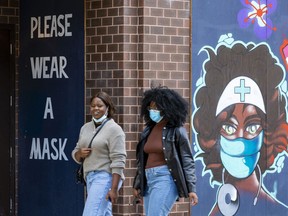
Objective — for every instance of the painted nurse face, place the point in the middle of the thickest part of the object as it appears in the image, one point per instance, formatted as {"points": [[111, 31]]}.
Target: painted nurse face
{"points": [[244, 122], [241, 140]]}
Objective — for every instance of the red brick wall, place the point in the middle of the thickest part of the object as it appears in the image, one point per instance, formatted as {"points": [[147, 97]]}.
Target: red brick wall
{"points": [[9, 14], [130, 46]]}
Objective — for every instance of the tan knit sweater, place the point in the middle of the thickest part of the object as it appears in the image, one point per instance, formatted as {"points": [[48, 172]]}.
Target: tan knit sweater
{"points": [[108, 148]]}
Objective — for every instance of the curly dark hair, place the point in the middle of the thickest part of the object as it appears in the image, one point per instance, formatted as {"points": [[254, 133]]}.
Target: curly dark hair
{"points": [[251, 61], [107, 101], [172, 105]]}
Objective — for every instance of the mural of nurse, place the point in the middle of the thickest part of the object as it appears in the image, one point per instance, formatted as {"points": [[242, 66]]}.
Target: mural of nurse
{"points": [[240, 126]]}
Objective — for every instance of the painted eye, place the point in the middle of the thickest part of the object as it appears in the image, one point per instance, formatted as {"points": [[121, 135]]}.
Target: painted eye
{"points": [[229, 129], [252, 129]]}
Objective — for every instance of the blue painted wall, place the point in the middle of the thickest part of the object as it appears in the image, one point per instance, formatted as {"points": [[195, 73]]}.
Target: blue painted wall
{"points": [[227, 24]]}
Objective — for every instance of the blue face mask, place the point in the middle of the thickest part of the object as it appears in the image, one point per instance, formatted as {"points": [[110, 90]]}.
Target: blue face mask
{"points": [[240, 156], [155, 115], [102, 118]]}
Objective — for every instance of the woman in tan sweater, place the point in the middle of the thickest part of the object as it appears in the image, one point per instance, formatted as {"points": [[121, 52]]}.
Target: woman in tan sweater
{"points": [[104, 161]]}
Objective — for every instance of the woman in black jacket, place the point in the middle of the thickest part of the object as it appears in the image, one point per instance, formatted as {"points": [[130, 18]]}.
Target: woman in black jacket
{"points": [[165, 164]]}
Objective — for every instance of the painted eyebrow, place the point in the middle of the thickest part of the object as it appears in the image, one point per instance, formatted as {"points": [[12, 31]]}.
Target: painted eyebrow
{"points": [[251, 117], [233, 119]]}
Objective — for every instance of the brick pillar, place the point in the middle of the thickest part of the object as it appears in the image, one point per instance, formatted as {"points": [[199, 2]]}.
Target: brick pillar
{"points": [[164, 37], [112, 66], [132, 45]]}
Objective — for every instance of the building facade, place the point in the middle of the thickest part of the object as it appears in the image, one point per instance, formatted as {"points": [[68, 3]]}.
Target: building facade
{"points": [[130, 46]]}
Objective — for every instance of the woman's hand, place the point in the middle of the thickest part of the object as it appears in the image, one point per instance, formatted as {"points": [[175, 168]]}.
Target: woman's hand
{"points": [[193, 198], [138, 198], [136, 192], [82, 153], [112, 195]]}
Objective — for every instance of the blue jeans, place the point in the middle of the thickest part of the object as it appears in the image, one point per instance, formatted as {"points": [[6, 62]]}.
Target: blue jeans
{"points": [[98, 185], [161, 192]]}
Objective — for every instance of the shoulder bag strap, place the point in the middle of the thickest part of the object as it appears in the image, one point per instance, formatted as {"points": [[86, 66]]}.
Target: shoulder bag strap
{"points": [[99, 128]]}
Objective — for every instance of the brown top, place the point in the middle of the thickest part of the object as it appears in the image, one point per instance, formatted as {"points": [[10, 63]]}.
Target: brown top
{"points": [[154, 148]]}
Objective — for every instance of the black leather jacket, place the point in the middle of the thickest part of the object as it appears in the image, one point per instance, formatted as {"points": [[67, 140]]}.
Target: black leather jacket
{"points": [[178, 155]]}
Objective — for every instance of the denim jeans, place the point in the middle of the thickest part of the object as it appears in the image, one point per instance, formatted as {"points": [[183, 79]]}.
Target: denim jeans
{"points": [[98, 185], [161, 192]]}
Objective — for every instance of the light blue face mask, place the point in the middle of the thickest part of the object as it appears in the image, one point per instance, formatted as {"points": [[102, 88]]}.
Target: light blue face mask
{"points": [[102, 118], [240, 156], [155, 115]]}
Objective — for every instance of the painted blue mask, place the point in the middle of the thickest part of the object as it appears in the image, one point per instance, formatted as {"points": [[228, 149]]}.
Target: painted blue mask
{"points": [[240, 156], [155, 115]]}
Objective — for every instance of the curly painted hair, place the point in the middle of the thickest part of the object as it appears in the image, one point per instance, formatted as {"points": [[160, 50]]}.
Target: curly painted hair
{"points": [[172, 105], [257, 63]]}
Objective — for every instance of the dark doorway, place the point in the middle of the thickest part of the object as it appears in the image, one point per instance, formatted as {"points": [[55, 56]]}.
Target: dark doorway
{"points": [[7, 126]]}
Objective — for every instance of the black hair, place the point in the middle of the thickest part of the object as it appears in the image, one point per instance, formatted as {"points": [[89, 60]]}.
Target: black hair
{"points": [[173, 106]]}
